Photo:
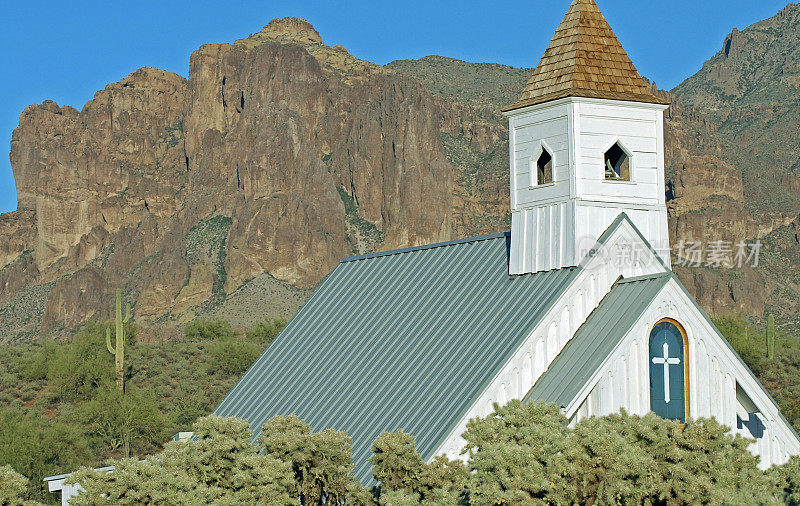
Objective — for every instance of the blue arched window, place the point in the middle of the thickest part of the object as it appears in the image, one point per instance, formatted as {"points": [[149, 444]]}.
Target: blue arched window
{"points": [[668, 366]]}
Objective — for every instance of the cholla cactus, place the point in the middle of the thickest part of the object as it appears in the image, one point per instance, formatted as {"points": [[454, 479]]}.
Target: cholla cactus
{"points": [[119, 350]]}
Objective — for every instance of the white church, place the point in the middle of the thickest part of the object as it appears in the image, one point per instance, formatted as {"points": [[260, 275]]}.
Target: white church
{"points": [[576, 306]]}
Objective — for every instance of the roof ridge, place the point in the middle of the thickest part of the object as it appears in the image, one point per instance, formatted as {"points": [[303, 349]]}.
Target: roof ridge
{"points": [[424, 247], [585, 59], [645, 277], [552, 386]]}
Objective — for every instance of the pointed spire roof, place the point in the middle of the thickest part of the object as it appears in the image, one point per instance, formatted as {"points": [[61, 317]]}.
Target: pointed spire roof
{"points": [[585, 59]]}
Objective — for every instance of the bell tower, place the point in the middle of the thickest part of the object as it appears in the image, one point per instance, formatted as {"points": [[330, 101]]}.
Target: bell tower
{"points": [[586, 144]]}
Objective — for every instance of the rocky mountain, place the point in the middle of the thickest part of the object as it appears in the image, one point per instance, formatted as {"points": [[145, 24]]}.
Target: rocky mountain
{"points": [[277, 156], [750, 93], [235, 191], [750, 90]]}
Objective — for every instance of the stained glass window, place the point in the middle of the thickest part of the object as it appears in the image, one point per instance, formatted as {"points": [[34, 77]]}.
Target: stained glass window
{"points": [[667, 382]]}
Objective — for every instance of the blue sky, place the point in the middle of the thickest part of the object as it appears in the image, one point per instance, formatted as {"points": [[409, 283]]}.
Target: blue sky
{"points": [[67, 50]]}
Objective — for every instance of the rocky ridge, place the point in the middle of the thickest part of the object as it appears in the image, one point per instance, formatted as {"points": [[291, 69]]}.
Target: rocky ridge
{"points": [[181, 190], [279, 155]]}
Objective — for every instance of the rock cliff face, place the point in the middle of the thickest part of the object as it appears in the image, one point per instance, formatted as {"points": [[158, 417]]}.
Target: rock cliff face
{"points": [[278, 156], [750, 92]]}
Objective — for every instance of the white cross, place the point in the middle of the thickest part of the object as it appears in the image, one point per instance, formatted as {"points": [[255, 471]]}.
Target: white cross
{"points": [[666, 362]]}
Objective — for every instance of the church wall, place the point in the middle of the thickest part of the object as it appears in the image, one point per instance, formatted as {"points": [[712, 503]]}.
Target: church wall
{"points": [[591, 217], [720, 386], [598, 125], [550, 126], [554, 224], [546, 237], [560, 234], [555, 330]]}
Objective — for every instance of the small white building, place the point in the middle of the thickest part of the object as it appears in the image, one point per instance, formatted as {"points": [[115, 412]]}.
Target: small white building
{"points": [[58, 483]]}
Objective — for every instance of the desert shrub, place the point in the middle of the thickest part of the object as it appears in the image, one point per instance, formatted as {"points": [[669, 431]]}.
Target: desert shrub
{"points": [[12, 486], [232, 356], [265, 332], [520, 454], [512, 451], [34, 364], [37, 446], [129, 422], [320, 463], [748, 341], [209, 329], [405, 477], [85, 421], [80, 366], [221, 467], [527, 454], [786, 479], [649, 460]]}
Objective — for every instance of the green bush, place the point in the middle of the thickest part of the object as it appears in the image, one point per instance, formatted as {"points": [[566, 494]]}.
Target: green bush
{"points": [[406, 478], [33, 367], [512, 451], [78, 419], [265, 332], [527, 454], [129, 422], [231, 356], [78, 368], [520, 454], [208, 329], [221, 467], [786, 479], [12, 486], [747, 340], [37, 446], [320, 463]]}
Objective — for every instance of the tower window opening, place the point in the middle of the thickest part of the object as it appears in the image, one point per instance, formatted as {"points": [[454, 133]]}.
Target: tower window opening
{"points": [[617, 164], [544, 168]]}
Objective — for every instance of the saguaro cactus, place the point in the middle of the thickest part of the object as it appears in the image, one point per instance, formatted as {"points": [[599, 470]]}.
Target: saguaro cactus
{"points": [[771, 337], [119, 349]]}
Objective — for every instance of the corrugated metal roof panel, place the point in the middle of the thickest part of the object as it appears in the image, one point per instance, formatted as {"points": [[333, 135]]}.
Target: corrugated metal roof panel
{"points": [[406, 340], [596, 339]]}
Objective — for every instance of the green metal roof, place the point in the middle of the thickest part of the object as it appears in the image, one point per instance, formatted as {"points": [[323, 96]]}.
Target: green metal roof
{"points": [[596, 339], [400, 340]]}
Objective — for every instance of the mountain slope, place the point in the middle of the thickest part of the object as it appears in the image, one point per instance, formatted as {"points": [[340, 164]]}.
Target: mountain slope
{"points": [[236, 190], [751, 91], [267, 160]]}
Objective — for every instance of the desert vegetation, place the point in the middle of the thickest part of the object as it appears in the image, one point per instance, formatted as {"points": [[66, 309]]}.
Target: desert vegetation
{"points": [[519, 454], [60, 407]]}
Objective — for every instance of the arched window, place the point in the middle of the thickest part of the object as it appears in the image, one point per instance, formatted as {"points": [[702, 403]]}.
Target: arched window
{"points": [[542, 168], [617, 163], [669, 371]]}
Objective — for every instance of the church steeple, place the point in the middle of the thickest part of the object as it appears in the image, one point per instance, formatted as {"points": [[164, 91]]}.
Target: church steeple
{"points": [[585, 59], [586, 145]]}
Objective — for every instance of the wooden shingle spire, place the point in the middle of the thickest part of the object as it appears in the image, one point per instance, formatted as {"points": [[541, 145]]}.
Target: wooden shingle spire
{"points": [[585, 59]]}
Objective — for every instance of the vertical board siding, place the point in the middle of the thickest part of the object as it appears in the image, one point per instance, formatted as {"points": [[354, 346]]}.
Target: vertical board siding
{"points": [[578, 132], [720, 384], [544, 240]]}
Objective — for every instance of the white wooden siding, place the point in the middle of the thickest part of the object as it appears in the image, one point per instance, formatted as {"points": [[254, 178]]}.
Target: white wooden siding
{"points": [[550, 222], [714, 373], [556, 329]]}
